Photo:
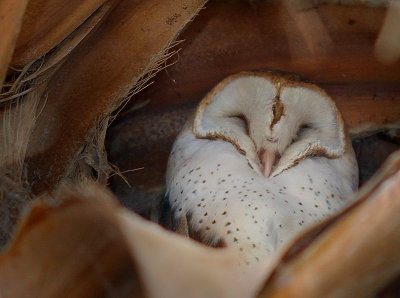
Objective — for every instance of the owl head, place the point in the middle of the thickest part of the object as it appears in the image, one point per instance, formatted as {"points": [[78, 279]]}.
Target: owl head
{"points": [[274, 121]]}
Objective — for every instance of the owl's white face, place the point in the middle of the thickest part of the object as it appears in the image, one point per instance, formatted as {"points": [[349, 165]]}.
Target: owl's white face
{"points": [[276, 128], [273, 122]]}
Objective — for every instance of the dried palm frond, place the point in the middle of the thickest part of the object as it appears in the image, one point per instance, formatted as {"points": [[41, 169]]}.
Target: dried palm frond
{"points": [[104, 250], [34, 73], [47, 23], [11, 12], [81, 157], [91, 84], [21, 103]]}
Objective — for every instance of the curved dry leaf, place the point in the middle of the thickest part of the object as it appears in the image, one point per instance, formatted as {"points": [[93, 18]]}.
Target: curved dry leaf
{"points": [[11, 13], [101, 71], [89, 247], [42, 72], [355, 254], [71, 250], [174, 266], [47, 23], [68, 45]]}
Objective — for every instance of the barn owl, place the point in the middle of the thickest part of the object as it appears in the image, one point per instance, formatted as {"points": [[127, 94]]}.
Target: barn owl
{"points": [[264, 157]]}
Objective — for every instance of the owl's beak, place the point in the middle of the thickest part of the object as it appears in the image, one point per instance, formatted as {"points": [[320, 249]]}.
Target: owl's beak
{"points": [[267, 159]]}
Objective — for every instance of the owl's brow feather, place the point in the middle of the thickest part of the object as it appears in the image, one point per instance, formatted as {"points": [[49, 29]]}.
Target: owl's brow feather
{"points": [[278, 109]]}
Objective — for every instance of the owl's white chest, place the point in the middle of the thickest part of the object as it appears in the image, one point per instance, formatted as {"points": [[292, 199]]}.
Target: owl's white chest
{"points": [[228, 201]]}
